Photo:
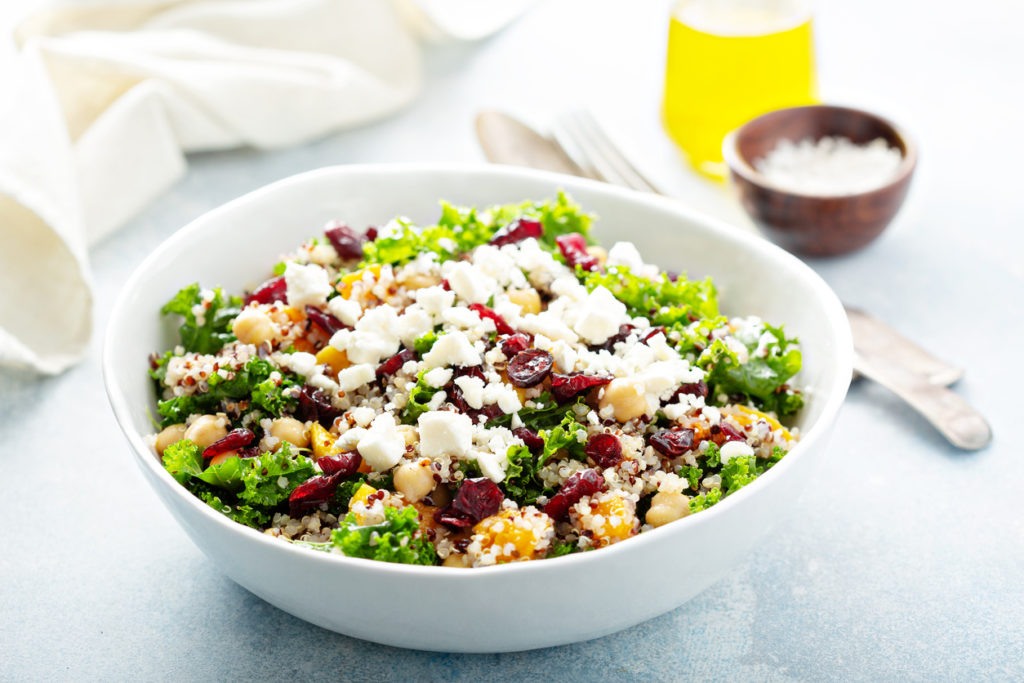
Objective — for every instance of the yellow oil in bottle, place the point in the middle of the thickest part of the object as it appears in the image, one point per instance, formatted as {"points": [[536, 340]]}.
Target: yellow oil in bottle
{"points": [[729, 61]]}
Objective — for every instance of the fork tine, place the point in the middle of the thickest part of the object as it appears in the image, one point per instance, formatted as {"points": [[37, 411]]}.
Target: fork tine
{"points": [[612, 154], [594, 150], [568, 138]]}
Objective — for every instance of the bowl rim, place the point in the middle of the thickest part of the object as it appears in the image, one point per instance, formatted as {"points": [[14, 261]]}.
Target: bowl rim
{"points": [[739, 165], [145, 457]]}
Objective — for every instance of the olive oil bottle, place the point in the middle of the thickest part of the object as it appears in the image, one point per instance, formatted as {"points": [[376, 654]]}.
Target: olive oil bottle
{"points": [[729, 61]]}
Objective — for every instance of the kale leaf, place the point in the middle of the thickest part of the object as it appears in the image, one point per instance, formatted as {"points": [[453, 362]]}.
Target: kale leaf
{"points": [[269, 478], [422, 345], [545, 413], [521, 482], [705, 500], [396, 539], [183, 460], [663, 301], [243, 514], [569, 436], [419, 398], [211, 330], [762, 376]]}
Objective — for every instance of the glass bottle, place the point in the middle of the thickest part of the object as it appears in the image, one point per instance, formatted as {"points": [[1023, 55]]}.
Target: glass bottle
{"points": [[729, 61]]}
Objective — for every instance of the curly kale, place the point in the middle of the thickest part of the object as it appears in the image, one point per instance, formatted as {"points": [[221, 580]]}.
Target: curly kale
{"points": [[396, 539], [210, 330]]}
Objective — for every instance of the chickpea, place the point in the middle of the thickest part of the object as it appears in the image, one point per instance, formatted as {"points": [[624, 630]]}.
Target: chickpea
{"points": [[529, 299], [409, 433], [667, 506], [419, 281], [291, 430], [207, 429], [219, 459], [460, 561], [169, 435], [626, 396], [253, 327], [599, 253], [414, 480]]}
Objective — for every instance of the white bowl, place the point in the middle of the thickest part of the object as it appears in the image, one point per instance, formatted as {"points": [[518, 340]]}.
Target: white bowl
{"points": [[510, 607]]}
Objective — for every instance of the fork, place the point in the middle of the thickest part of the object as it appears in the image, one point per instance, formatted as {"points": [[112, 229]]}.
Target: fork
{"points": [[586, 143]]}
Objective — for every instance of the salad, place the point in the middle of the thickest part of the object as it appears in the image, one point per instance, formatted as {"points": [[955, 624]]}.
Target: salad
{"points": [[491, 388]]}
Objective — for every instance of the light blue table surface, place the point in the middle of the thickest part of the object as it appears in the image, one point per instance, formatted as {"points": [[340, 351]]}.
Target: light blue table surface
{"points": [[904, 561]]}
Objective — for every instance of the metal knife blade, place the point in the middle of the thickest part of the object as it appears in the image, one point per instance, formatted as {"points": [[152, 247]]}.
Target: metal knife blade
{"points": [[951, 415], [874, 337], [881, 353]]}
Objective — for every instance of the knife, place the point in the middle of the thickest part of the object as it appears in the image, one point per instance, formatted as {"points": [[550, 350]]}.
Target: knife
{"points": [[880, 353]]}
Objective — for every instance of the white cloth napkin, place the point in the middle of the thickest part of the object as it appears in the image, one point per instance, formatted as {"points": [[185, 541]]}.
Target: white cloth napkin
{"points": [[105, 100]]}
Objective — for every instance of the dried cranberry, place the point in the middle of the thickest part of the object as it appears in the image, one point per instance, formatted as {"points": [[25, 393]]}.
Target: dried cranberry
{"points": [[325, 321], [371, 233], [249, 451], [395, 363], [346, 241], [344, 464], [529, 368], [314, 405], [311, 493], [698, 388], [530, 438], [456, 398], [453, 518], [730, 432], [512, 345], [565, 388], [654, 331], [582, 483], [274, 289], [604, 449], [517, 231], [489, 412], [234, 440], [476, 499], [499, 323], [610, 342], [574, 248], [673, 443]]}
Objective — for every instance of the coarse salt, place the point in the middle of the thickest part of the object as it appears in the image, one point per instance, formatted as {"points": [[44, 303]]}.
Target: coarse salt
{"points": [[830, 166]]}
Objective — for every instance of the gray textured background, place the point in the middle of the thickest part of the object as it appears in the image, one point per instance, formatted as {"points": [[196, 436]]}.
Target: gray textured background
{"points": [[905, 561]]}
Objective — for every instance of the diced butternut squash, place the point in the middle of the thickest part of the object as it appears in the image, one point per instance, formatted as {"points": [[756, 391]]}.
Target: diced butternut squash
{"points": [[346, 282], [321, 441], [514, 535], [333, 358], [362, 493], [745, 416]]}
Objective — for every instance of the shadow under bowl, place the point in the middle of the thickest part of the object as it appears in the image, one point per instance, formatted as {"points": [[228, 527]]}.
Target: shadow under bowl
{"points": [[816, 225]]}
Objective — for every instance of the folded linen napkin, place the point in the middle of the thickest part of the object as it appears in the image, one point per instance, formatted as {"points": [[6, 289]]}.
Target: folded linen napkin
{"points": [[107, 98]]}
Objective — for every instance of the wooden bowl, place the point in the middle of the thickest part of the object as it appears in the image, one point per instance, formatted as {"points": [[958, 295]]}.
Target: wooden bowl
{"points": [[816, 225]]}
